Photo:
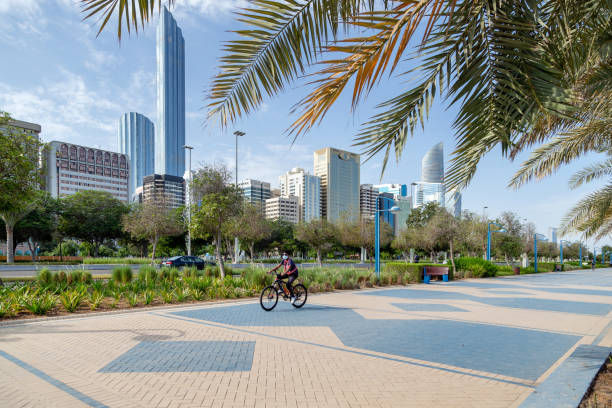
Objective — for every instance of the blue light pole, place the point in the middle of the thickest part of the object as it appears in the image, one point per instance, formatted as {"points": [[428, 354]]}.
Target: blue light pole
{"points": [[535, 249], [393, 209], [501, 229], [561, 249], [580, 252]]}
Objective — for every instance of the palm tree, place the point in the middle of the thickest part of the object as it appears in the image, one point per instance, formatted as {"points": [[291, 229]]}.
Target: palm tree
{"points": [[521, 72]]}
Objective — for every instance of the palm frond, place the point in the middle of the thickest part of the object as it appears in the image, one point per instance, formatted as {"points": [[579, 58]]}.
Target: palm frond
{"points": [[367, 58], [131, 13], [592, 216], [545, 160], [590, 173], [284, 36]]}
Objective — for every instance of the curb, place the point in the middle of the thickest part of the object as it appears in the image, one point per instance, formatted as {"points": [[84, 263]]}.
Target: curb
{"points": [[568, 384]]}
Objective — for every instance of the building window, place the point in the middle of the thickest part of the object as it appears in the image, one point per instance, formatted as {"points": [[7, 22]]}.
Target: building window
{"points": [[107, 159], [90, 156], [64, 150], [82, 168], [82, 154], [73, 153], [123, 162], [115, 162], [99, 157]]}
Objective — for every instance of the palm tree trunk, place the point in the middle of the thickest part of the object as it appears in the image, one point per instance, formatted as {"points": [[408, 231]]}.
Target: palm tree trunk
{"points": [[319, 257], [252, 251], [452, 257]]}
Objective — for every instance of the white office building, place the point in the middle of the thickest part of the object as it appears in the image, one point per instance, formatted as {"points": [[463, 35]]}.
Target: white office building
{"points": [[307, 188], [283, 208], [453, 203], [72, 168]]}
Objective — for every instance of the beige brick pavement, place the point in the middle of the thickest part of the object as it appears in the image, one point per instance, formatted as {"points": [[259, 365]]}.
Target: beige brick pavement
{"points": [[292, 366]]}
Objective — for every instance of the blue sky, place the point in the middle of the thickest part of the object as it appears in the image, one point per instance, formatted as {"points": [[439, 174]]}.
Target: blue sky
{"points": [[57, 73]]}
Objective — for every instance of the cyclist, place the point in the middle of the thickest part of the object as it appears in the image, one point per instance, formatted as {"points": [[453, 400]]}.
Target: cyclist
{"points": [[290, 271]]}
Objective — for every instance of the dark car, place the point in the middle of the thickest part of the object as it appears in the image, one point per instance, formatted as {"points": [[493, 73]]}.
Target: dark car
{"points": [[184, 260]]}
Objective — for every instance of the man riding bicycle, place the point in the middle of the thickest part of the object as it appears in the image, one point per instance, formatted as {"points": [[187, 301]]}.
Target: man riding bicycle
{"points": [[290, 271]]}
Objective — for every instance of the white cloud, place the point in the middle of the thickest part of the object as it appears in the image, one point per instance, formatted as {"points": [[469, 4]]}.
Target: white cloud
{"points": [[72, 111], [210, 7]]}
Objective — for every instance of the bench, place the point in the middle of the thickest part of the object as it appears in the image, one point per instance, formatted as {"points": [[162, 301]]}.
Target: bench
{"points": [[430, 271]]}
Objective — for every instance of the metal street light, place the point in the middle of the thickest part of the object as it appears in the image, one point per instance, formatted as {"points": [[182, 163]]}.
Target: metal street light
{"points": [[541, 237], [561, 249], [237, 133], [580, 253], [501, 229], [190, 148], [393, 209]]}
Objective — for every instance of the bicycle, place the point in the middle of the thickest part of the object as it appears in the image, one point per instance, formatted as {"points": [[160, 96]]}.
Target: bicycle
{"points": [[269, 295]]}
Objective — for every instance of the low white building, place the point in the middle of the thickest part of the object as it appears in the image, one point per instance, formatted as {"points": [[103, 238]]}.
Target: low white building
{"points": [[73, 168], [283, 208]]}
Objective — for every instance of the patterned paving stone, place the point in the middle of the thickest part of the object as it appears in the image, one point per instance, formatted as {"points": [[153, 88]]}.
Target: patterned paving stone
{"points": [[428, 307], [184, 356]]}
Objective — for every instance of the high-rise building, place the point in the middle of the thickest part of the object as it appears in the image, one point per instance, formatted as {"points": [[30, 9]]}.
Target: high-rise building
{"points": [[283, 208], [405, 206], [432, 166], [399, 190], [367, 201], [339, 172], [72, 168], [164, 188], [552, 235], [453, 203], [307, 188], [255, 192], [428, 192], [136, 139], [385, 203], [431, 187], [170, 133]]}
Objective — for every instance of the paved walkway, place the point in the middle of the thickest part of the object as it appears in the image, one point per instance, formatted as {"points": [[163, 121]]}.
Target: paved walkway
{"points": [[472, 343]]}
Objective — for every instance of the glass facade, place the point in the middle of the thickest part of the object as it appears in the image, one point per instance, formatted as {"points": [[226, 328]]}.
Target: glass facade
{"points": [[256, 192], [136, 139], [432, 166], [307, 188], [428, 192], [170, 134], [385, 202], [400, 190], [339, 173], [453, 203]]}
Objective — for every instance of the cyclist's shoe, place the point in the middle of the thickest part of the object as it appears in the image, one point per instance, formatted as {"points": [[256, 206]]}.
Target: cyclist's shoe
{"points": [[292, 299]]}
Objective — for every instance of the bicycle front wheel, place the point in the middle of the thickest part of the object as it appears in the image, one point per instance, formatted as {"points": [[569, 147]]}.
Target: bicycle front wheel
{"points": [[301, 293], [268, 298]]}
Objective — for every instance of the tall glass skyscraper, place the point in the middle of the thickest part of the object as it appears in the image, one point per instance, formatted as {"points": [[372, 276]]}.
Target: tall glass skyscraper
{"points": [[339, 172], [170, 135], [432, 166], [136, 140]]}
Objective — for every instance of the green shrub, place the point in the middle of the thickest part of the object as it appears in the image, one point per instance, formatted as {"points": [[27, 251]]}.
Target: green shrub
{"points": [[94, 299], [173, 275], [132, 298], [45, 277], [168, 296], [74, 277], [148, 297], [71, 299], [212, 271], [122, 274], [86, 277], [182, 294], [40, 305], [198, 294], [476, 267], [147, 274], [60, 277], [6, 308]]}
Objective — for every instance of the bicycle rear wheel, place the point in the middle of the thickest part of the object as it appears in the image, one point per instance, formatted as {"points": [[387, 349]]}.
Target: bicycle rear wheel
{"points": [[301, 293], [268, 298]]}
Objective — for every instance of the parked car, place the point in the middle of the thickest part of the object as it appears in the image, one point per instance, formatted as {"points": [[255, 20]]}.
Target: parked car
{"points": [[184, 260]]}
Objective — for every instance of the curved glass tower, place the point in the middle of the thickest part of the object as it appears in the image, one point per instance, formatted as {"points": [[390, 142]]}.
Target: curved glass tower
{"points": [[432, 166], [136, 139], [170, 135]]}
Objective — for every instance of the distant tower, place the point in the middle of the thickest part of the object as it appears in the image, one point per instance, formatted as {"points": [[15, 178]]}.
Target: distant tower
{"points": [[453, 203], [552, 235], [339, 172], [170, 134], [432, 166], [431, 187], [136, 139]]}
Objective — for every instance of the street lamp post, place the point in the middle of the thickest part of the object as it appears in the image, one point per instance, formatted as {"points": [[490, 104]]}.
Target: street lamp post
{"points": [[535, 249], [501, 229], [190, 148], [238, 134], [580, 253], [561, 249], [393, 209]]}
